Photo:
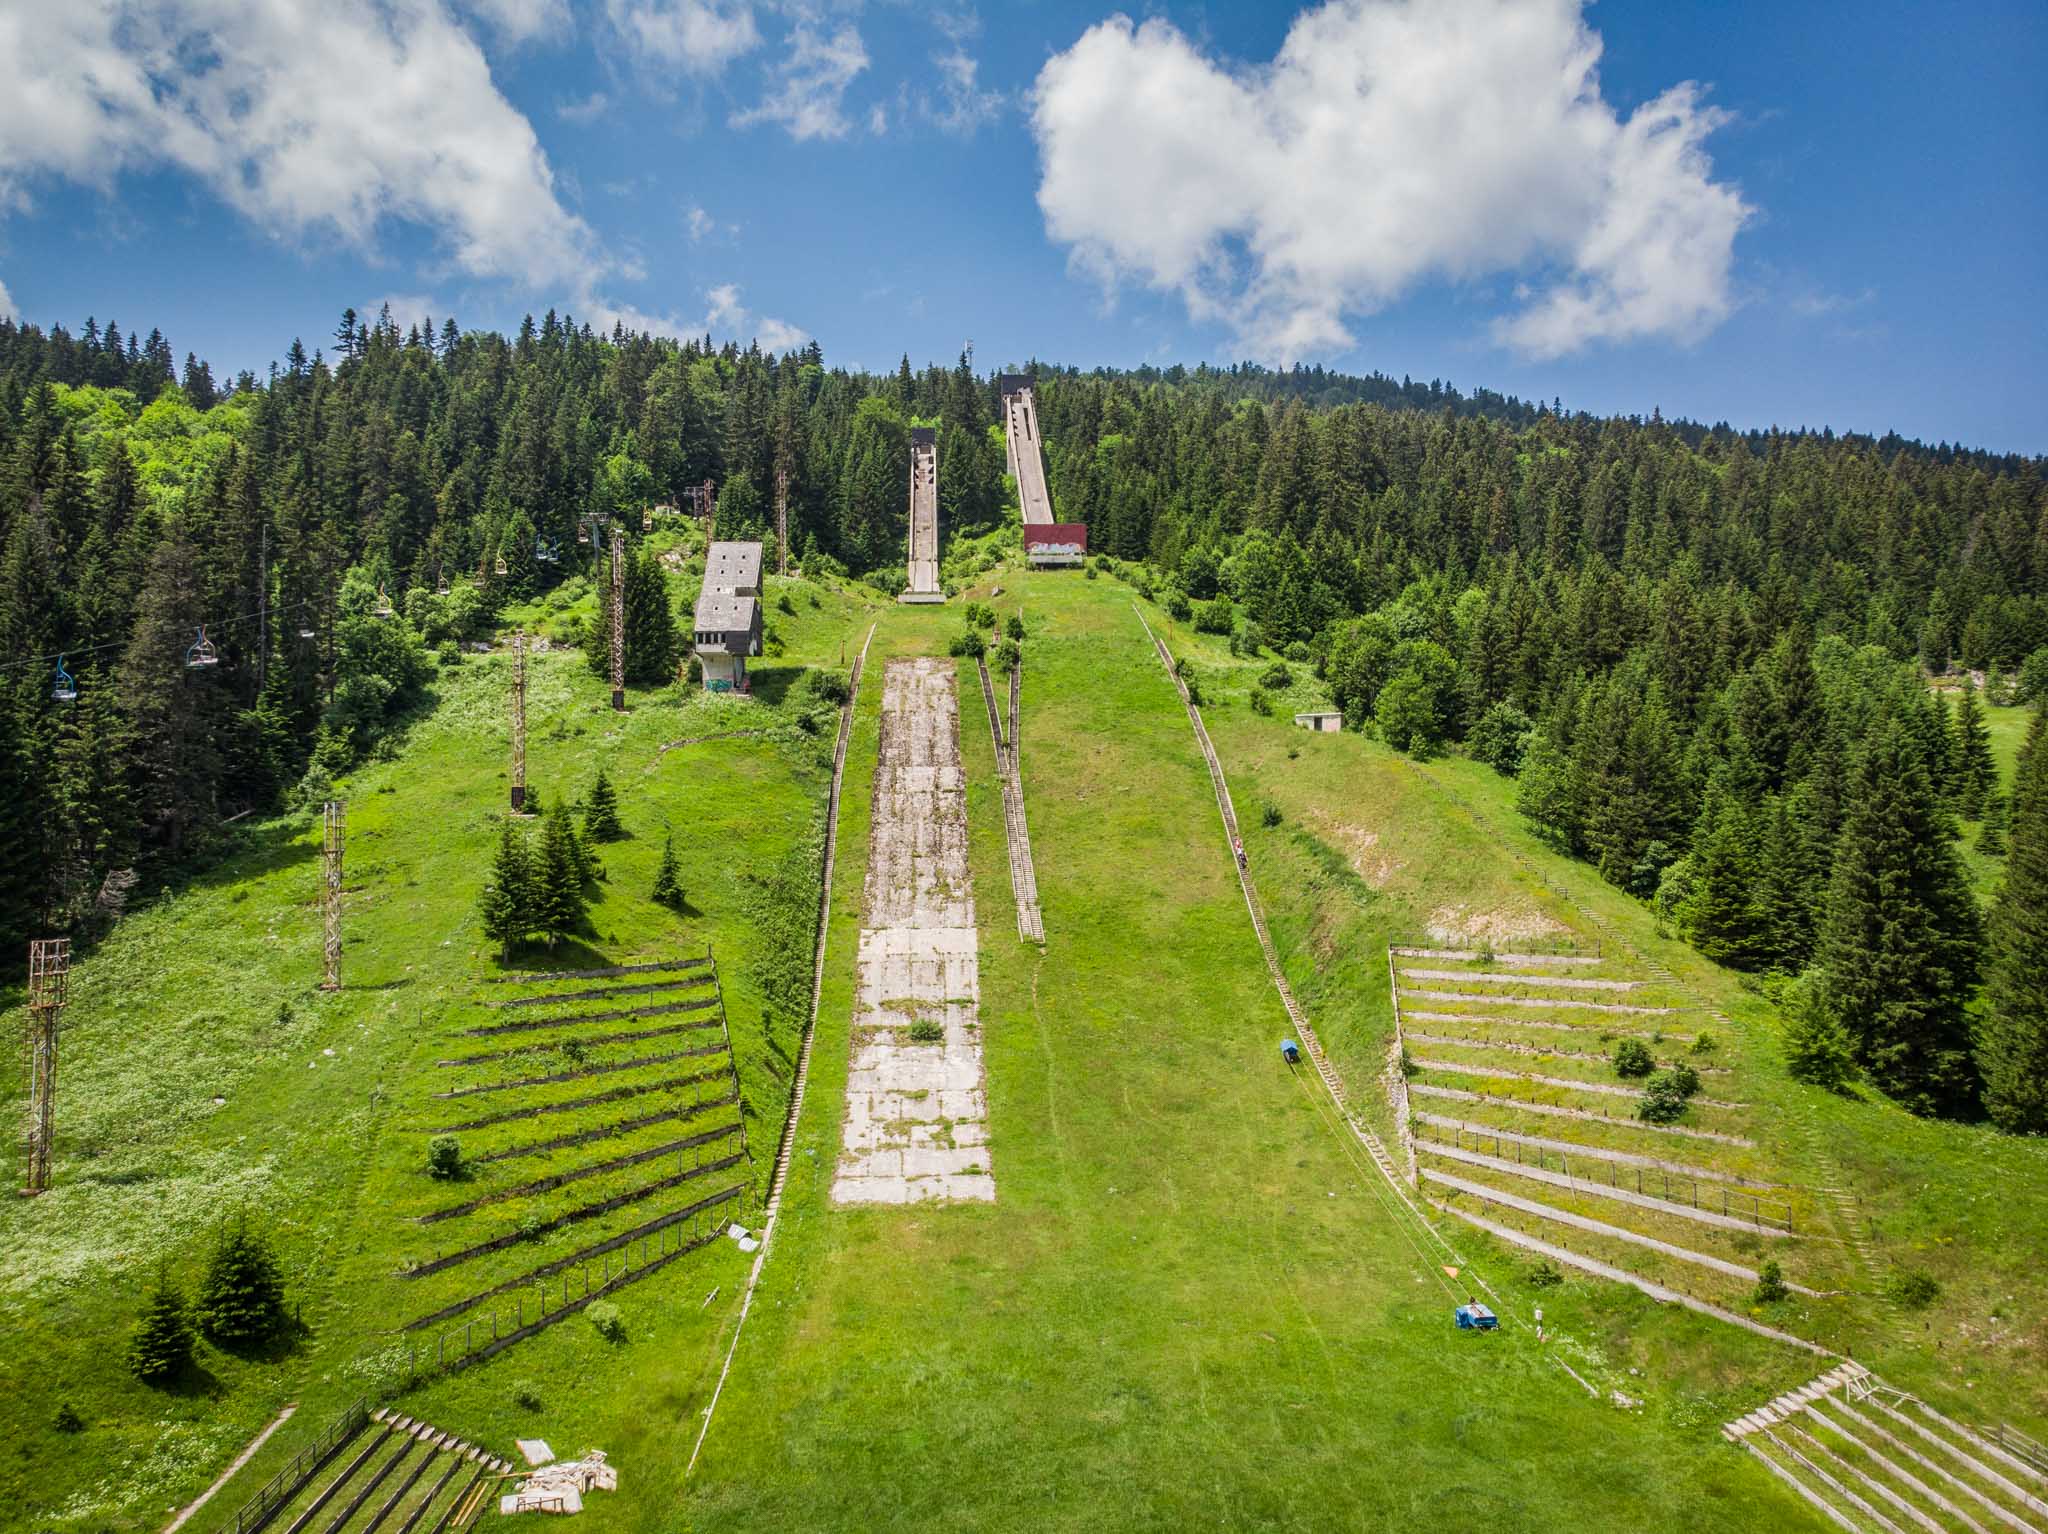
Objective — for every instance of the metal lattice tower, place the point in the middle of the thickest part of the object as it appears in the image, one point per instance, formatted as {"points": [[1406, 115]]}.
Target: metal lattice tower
{"points": [[618, 620], [49, 975], [330, 892], [519, 722], [782, 521], [710, 502]]}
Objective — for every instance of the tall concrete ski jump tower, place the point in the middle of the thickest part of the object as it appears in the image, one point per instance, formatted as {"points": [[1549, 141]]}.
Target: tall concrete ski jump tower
{"points": [[924, 518], [1046, 543]]}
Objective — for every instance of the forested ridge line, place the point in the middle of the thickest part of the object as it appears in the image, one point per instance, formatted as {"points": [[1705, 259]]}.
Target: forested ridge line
{"points": [[1709, 647]]}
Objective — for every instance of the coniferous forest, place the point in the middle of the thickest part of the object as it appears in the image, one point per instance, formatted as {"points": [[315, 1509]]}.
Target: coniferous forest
{"points": [[1704, 654]]}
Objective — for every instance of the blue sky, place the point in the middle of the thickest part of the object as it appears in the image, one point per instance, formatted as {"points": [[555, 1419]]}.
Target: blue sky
{"points": [[1842, 224]]}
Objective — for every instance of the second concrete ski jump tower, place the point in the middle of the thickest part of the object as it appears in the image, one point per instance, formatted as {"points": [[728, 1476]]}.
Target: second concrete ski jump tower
{"points": [[924, 518], [1046, 542]]}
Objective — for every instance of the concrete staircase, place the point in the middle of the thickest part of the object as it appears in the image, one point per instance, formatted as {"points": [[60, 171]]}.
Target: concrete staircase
{"points": [[1868, 1457]]}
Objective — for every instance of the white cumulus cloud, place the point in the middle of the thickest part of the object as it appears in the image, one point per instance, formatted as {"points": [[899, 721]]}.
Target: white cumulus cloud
{"points": [[698, 36], [725, 315], [520, 21], [813, 75], [1390, 142], [312, 121]]}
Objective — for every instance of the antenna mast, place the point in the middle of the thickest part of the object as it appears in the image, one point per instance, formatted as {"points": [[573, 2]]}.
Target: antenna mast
{"points": [[49, 973], [330, 892], [618, 620]]}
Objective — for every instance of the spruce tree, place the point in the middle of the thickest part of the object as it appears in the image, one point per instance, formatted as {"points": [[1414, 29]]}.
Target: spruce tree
{"points": [[241, 1300], [558, 877], [650, 624], [161, 1349], [2012, 1038], [1976, 774], [1720, 916], [506, 905], [1900, 944], [601, 811], [668, 888]]}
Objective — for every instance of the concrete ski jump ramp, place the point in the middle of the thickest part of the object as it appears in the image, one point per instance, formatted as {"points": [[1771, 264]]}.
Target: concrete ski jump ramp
{"points": [[924, 518], [916, 1112]]}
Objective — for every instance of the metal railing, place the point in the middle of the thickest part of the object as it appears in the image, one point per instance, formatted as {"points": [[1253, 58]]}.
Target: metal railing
{"points": [[557, 1296], [1650, 1182], [300, 1468]]}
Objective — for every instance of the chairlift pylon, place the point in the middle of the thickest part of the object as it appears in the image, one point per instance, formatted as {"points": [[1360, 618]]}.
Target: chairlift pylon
{"points": [[647, 521], [201, 653], [383, 609], [502, 568], [62, 688]]}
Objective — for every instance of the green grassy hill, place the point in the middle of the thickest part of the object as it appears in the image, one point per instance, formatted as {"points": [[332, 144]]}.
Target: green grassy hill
{"points": [[1194, 1301]]}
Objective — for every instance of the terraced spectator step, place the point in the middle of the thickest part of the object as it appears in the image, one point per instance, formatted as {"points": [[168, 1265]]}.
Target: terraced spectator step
{"points": [[1497, 977], [1866, 1456]]}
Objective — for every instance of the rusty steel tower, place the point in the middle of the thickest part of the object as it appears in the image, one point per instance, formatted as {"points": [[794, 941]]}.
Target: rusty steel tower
{"points": [[618, 620], [336, 830], [519, 722], [49, 978]]}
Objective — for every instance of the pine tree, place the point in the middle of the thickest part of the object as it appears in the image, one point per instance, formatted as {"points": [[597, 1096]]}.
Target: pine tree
{"points": [[2012, 1038], [650, 624], [601, 812], [506, 905], [668, 888], [1720, 916], [1818, 1049], [1976, 772], [241, 1300], [558, 877], [161, 1349], [1900, 944]]}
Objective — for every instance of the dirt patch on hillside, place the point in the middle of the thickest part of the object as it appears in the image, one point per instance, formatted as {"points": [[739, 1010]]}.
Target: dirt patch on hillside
{"points": [[1456, 924], [1361, 849]]}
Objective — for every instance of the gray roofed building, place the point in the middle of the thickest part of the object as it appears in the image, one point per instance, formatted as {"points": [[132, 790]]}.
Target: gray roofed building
{"points": [[727, 622], [733, 567]]}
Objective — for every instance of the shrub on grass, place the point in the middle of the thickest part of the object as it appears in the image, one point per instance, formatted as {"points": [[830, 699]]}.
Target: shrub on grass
{"points": [[1276, 677], [1008, 656], [526, 1395], [1194, 692], [925, 1031], [1262, 703], [1543, 1276], [609, 1323], [1013, 626], [1269, 816], [1911, 1290], [532, 1226], [783, 604], [1705, 1044], [67, 1419], [969, 643], [1632, 1058], [1092, 573], [161, 1350], [444, 1157], [1770, 1284], [241, 1300], [1665, 1096], [1214, 617]]}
